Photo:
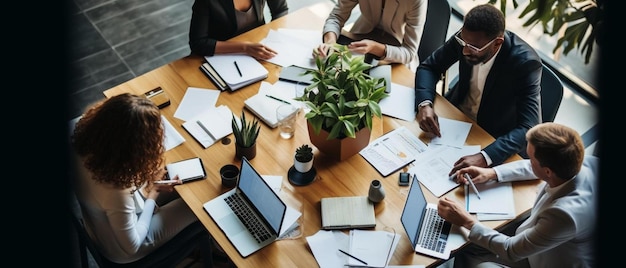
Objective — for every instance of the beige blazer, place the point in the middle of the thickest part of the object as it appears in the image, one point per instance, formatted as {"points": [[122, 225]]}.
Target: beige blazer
{"points": [[403, 19]]}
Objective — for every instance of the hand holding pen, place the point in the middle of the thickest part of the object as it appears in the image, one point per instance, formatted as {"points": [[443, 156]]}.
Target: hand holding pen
{"points": [[471, 183], [468, 178]]}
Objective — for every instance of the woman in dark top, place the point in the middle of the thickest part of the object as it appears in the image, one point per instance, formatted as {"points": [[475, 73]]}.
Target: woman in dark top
{"points": [[214, 21]]}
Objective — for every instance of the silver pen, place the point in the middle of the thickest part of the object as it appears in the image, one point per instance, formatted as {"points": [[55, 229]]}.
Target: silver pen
{"points": [[469, 179]]}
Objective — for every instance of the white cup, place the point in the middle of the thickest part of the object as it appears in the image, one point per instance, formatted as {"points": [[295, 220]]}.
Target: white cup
{"points": [[286, 115]]}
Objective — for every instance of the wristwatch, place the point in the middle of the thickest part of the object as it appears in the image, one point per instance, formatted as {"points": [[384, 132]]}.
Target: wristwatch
{"points": [[424, 104]]}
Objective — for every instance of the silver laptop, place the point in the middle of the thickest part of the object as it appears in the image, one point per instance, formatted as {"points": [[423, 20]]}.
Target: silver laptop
{"points": [[428, 232], [251, 214]]}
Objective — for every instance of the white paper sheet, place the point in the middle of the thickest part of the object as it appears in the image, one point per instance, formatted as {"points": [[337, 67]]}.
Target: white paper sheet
{"points": [[453, 132], [195, 101], [172, 137], [433, 165], [400, 103]]}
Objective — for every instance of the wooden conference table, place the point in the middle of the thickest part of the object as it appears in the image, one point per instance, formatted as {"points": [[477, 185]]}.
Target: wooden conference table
{"points": [[350, 177]]}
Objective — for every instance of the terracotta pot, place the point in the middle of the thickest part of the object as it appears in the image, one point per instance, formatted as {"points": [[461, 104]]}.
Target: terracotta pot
{"points": [[248, 152], [339, 149]]}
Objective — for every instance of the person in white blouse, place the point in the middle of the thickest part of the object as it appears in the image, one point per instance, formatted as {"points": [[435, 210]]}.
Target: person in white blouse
{"points": [[118, 149], [560, 229]]}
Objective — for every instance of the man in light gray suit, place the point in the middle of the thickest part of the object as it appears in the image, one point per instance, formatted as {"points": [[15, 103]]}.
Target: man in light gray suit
{"points": [[560, 229]]}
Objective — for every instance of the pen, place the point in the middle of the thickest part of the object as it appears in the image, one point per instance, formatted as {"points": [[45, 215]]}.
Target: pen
{"points": [[469, 179], [352, 257], [272, 97], [206, 130], [165, 182], [237, 66]]}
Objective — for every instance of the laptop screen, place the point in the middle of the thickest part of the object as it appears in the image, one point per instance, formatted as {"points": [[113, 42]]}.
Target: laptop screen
{"points": [[259, 193], [413, 211]]}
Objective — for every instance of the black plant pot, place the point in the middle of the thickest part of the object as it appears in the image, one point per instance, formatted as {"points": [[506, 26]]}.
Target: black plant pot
{"points": [[248, 152]]}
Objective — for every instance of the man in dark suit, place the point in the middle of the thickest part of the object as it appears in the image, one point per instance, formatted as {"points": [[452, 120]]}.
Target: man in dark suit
{"points": [[499, 85]]}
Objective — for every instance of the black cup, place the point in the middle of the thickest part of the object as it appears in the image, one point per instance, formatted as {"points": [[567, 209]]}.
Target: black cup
{"points": [[230, 175]]}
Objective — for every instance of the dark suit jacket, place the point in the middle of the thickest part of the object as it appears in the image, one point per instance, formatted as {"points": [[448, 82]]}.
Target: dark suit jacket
{"points": [[510, 102], [213, 20]]}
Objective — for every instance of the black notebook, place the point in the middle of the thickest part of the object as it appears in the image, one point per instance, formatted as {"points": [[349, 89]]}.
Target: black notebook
{"points": [[187, 170]]}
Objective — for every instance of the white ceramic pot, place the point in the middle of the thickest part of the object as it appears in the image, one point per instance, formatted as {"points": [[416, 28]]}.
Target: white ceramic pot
{"points": [[302, 167]]}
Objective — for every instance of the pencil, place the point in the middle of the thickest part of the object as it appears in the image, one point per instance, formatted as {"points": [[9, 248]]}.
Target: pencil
{"points": [[352, 257]]}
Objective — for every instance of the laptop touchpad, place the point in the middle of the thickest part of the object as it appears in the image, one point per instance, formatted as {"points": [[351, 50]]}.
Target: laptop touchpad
{"points": [[231, 224]]}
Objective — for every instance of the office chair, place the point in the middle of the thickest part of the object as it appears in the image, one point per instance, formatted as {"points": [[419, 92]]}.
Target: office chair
{"points": [[551, 94], [435, 30], [171, 254]]}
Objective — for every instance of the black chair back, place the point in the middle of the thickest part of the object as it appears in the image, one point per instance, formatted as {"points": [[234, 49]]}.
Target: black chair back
{"points": [[435, 28]]}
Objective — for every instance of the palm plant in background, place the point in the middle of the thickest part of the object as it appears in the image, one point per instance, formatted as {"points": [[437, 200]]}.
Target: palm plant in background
{"points": [[583, 21]]}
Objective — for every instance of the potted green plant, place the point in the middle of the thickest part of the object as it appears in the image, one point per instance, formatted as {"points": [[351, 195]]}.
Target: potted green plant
{"points": [[245, 133], [343, 99], [303, 160]]}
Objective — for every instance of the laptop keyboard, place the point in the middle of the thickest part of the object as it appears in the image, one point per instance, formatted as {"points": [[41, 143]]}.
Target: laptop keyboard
{"points": [[432, 228], [247, 217]]}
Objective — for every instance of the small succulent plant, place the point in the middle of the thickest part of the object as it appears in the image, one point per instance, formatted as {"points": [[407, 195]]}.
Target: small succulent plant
{"points": [[304, 153]]}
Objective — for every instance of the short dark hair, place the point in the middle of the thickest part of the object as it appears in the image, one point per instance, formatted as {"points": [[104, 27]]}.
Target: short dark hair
{"points": [[485, 18]]}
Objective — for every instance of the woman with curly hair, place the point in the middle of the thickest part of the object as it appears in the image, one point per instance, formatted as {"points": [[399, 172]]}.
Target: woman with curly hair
{"points": [[118, 144]]}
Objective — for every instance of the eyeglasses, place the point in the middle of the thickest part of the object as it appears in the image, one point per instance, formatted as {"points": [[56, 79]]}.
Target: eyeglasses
{"points": [[470, 46]]}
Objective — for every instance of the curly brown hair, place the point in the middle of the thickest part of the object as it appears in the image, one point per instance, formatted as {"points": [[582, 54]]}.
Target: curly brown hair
{"points": [[121, 140]]}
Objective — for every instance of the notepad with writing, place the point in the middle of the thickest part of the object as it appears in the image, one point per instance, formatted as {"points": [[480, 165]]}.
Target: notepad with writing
{"points": [[187, 170], [347, 212], [210, 125], [233, 71]]}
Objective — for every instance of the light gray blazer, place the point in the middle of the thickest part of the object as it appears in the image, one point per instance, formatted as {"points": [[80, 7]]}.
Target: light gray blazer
{"points": [[559, 231], [403, 19]]}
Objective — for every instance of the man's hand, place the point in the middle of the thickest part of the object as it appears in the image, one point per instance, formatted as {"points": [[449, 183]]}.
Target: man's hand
{"points": [[451, 211], [428, 120], [469, 160]]}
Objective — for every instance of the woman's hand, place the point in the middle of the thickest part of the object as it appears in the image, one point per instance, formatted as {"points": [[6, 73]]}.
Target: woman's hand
{"points": [[259, 51]]}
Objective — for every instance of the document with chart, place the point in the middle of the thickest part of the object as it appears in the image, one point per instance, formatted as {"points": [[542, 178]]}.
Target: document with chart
{"points": [[432, 166], [393, 150]]}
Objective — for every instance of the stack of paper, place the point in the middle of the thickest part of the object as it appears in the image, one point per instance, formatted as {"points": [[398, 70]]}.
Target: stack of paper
{"points": [[371, 248], [233, 71], [495, 203]]}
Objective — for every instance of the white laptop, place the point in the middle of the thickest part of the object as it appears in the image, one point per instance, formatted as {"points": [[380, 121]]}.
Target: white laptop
{"points": [[429, 237], [260, 221]]}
